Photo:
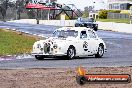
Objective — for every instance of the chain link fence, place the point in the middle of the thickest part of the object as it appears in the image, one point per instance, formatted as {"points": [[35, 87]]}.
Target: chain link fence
{"points": [[118, 16], [14, 14]]}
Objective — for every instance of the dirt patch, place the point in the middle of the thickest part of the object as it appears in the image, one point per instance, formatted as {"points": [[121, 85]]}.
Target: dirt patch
{"points": [[56, 78]]}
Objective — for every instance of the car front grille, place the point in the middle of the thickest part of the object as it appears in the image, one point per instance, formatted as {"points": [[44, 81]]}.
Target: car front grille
{"points": [[47, 48]]}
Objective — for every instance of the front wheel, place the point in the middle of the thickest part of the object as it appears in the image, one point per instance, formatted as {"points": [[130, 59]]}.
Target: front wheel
{"points": [[71, 53], [77, 25], [95, 29], [100, 52], [39, 57]]}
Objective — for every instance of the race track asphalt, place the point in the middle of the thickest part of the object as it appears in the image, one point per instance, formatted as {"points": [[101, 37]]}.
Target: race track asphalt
{"points": [[119, 51]]}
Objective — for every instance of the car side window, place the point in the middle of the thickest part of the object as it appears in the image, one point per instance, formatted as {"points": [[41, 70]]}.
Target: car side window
{"points": [[83, 35], [92, 34]]}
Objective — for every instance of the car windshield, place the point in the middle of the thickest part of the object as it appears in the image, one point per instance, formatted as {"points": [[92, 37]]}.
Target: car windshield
{"points": [[86, 19], [65, 34]]}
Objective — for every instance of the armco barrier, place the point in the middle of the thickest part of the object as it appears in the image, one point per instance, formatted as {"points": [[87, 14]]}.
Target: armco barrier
{"points": [[47, 22], [58, 22], [28, 21], [120, 27]]}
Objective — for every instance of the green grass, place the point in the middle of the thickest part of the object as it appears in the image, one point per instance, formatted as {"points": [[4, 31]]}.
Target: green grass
{"points": [[115, 20], [13, 43]]}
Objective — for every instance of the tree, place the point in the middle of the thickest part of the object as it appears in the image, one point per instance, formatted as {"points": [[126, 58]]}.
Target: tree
{"points": [[4, 5], [85, 13], [90, 8], [3, 8], [103, 14], [20, 7]]}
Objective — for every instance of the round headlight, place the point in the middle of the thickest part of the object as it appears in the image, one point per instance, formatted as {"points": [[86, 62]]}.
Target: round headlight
{"points": [[55, 46], [38, 46]]}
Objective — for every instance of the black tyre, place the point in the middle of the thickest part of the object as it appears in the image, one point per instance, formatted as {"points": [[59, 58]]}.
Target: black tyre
{"points": [[95, 29], [80, 80], [39, 57], [76, 25], [85, 25], [100, 52], [71, 53]]}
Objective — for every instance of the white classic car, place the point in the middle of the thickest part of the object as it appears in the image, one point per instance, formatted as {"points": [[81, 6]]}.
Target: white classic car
{"points": [[70, 42]]}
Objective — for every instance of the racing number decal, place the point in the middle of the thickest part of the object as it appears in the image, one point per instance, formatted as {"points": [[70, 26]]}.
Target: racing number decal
{"points": [[85, 46]]}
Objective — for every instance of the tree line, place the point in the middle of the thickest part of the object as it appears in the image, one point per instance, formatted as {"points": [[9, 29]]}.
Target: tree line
{"points": [[15, 9]]}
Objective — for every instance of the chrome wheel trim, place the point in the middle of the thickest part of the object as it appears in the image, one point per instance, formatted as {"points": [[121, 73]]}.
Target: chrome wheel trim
{"points": [[71, 53], [101, 50]]}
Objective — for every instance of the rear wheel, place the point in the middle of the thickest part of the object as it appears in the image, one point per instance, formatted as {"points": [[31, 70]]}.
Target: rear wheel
{"points": [[71, 52], [39, 57], [100, 52]]}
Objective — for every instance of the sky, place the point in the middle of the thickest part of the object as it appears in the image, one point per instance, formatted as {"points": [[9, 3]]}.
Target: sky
{"points": [[80, 4]]}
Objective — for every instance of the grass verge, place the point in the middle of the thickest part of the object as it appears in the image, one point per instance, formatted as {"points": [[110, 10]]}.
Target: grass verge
{"points": [[12, 42], [115, 20]]}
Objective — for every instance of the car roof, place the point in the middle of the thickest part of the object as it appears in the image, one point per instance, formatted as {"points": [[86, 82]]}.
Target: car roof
{"points": [[75, 28]]}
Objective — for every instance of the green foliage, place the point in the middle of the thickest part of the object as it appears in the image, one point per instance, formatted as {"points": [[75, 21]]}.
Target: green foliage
{"points": [[85, 13], [59, 17], [67, 18], [115, 20], [114, 11], [103, 13], [13, 43]]}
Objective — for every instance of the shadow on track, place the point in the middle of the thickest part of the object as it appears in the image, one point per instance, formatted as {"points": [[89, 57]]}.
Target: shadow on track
{"points": [[76, 58]]}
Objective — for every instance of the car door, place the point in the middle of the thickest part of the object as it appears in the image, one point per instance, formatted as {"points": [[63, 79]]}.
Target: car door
{"points": [[93, 41], [84, 47]]}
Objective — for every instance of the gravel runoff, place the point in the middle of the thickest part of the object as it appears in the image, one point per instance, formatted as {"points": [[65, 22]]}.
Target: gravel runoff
{"points": [[56, 78]]}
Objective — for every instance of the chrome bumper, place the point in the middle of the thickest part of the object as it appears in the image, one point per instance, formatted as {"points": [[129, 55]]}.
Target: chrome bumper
{"points": [[48, 54]]}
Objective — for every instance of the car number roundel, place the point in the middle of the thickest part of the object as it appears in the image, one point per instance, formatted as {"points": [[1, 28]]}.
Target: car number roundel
{"points": [[85, 46]]}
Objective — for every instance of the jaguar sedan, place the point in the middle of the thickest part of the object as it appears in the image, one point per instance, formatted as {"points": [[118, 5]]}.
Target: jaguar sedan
{"points": [[70, 42]]}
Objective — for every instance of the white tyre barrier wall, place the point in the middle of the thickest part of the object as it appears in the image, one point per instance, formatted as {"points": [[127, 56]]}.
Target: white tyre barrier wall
{"points": [[120, 27], [28, 21], [58, 22], [47, 22]]}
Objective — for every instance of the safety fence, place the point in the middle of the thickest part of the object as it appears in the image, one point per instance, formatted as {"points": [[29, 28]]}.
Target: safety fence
{"points": [[117, 16]]}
